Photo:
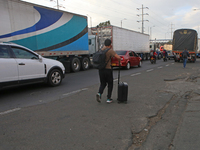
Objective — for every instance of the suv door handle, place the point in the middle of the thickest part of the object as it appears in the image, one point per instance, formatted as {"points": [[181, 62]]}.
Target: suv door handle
{"points": [[21, 63]]}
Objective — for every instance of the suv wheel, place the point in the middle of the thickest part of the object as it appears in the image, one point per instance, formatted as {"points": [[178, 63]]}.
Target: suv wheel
{"points": [[55, 77]]}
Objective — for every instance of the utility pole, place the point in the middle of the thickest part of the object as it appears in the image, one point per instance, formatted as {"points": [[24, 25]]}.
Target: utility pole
{"points": [[171, 29], [142, 16]]}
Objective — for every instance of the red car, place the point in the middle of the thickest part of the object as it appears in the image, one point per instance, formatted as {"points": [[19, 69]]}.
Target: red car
{"points": [[128, 59]]}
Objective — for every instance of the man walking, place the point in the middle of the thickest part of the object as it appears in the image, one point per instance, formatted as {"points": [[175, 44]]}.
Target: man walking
{"points": [[185, 56], [106, 74]]}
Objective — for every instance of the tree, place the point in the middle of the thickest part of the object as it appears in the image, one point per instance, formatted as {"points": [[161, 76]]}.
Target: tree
{"points": [[104, 24]]}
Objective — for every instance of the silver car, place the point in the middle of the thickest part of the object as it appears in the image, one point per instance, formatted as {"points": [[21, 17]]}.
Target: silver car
{"points": [[170, 54]]}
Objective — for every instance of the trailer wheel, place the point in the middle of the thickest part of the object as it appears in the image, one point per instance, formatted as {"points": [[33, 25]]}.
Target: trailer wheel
{"points": [[145, 57], [75, 64], [148, 56], [85, 63], [54, 77]]}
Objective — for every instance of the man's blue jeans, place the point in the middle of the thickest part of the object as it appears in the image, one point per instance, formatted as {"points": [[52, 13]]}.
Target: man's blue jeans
{"points": [[184, 62]]}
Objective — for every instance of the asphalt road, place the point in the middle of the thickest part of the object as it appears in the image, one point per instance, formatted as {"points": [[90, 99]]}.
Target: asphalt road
{"points": [[40, 93], [162, 113]]}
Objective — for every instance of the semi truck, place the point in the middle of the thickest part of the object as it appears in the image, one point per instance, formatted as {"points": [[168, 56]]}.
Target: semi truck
{"points": [[49, 32], [185, 38], [122, 39]]}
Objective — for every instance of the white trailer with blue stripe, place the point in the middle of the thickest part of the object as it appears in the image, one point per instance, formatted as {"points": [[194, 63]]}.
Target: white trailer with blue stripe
{"points": [[49, 32]]}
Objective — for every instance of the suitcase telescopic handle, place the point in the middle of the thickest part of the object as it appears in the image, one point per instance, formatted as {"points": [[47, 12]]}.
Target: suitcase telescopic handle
{"points": [[119, 72]]}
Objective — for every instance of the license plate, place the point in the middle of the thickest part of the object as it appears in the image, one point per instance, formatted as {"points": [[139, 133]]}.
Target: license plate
{"points": [[113, 64]]}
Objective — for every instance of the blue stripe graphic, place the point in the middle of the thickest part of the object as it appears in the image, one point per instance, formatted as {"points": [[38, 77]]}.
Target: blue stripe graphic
{"points": [[80, 44], [58, 35], [48, 17]]}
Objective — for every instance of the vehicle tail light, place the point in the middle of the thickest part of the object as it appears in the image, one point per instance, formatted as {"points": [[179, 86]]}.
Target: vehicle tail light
{"points": [[122, 58]]}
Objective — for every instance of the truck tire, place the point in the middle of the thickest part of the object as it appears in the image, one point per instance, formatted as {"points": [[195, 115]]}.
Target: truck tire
{"points": [[54, 77], [148, 56], [145, 57], [194, 60], [75, 64], [85, 63], [128, 66]]}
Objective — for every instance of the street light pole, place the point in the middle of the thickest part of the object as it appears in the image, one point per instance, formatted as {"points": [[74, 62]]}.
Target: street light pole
{"points": [[151, 32], [122, 20], [196, 10], [90, 20], [57, 3]]}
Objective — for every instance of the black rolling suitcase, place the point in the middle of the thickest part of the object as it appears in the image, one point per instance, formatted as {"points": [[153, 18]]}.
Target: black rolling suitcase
{"points": [[122, 90]]}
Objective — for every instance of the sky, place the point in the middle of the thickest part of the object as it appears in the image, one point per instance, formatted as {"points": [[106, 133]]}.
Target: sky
{"points": [[161, 17]]}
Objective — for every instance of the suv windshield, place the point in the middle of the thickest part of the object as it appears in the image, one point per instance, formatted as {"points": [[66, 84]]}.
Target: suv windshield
{"points": [[121, 52]]}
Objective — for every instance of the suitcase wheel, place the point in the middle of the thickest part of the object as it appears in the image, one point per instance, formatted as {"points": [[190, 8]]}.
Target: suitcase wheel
{"points": [[125, 102]]}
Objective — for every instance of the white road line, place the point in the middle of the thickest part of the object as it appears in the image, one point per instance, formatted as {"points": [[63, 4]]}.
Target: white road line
{"points": [[74, 92], [115, 80], [9, 111], [160, 67], [167, 65], [135, 74], [172, 63], [149, 70]]}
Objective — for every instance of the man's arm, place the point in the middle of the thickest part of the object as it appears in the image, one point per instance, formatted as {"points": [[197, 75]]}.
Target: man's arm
{"points": [[118, 57]]}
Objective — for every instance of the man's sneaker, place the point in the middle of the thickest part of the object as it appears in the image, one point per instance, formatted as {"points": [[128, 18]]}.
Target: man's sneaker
{"points": [[109, 101], [98, 96]]}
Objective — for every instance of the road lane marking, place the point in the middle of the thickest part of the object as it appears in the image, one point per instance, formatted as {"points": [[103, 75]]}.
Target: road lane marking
{"points": [[160, 67], [167, 65], [135, 74], [9, 111], [149, 70], [172, 63], [115, 80], [74, 92]]}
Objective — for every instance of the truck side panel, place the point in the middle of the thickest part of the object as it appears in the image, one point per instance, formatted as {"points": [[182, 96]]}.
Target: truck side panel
{"points": [[124, 39], [42, 29]]}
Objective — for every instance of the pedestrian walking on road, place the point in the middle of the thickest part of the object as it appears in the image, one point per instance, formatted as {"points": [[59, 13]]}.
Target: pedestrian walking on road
{"points": [[106, 74], [185, 56]]}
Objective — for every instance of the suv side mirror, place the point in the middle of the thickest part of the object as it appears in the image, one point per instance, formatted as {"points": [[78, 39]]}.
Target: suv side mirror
{"points": [[40, 58]]}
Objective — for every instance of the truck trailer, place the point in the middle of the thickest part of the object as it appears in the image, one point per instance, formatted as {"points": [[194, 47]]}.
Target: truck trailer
{"points": [[49, 32], [122, 39], [185, 38]]}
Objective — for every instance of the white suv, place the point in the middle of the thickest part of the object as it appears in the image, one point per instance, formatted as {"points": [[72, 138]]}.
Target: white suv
{"points": [[20, 65]]}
